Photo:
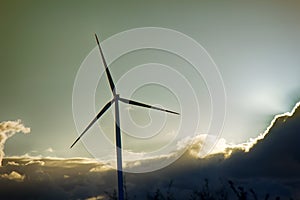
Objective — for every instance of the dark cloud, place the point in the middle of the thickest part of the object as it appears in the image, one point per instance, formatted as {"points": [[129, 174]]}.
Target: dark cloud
{"points": [[49, 178], [271, 166]]}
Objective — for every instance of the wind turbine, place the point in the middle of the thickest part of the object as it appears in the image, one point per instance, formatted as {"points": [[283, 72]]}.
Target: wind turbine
{"points": [[116, 99]]}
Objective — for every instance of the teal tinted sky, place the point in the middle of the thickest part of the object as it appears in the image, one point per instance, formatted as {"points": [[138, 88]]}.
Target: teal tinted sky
{"points": [[255, 45]]}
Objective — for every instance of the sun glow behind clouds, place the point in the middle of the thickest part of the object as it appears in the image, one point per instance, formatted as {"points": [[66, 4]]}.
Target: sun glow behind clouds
{"points": [[223, 147], [252, 142], [264, 99]]}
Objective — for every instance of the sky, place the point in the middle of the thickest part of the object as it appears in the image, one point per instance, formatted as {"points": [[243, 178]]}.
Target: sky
{"points": [[44, 44], [254, 44]]}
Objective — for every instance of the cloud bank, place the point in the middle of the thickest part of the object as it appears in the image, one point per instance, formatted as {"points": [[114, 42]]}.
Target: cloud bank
{"points": [[7, 130]]}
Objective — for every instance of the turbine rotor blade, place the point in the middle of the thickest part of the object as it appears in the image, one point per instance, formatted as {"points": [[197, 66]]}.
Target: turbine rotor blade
{"points": [[109, 77], [128, 101], [102, 111]]}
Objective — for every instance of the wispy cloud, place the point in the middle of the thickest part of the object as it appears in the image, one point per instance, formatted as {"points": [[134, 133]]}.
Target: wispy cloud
{"points": [[49, 150]]}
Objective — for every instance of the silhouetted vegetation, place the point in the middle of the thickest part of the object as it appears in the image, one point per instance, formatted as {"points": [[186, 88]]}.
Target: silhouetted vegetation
{"points": [[228, 191], [158, 195]]}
